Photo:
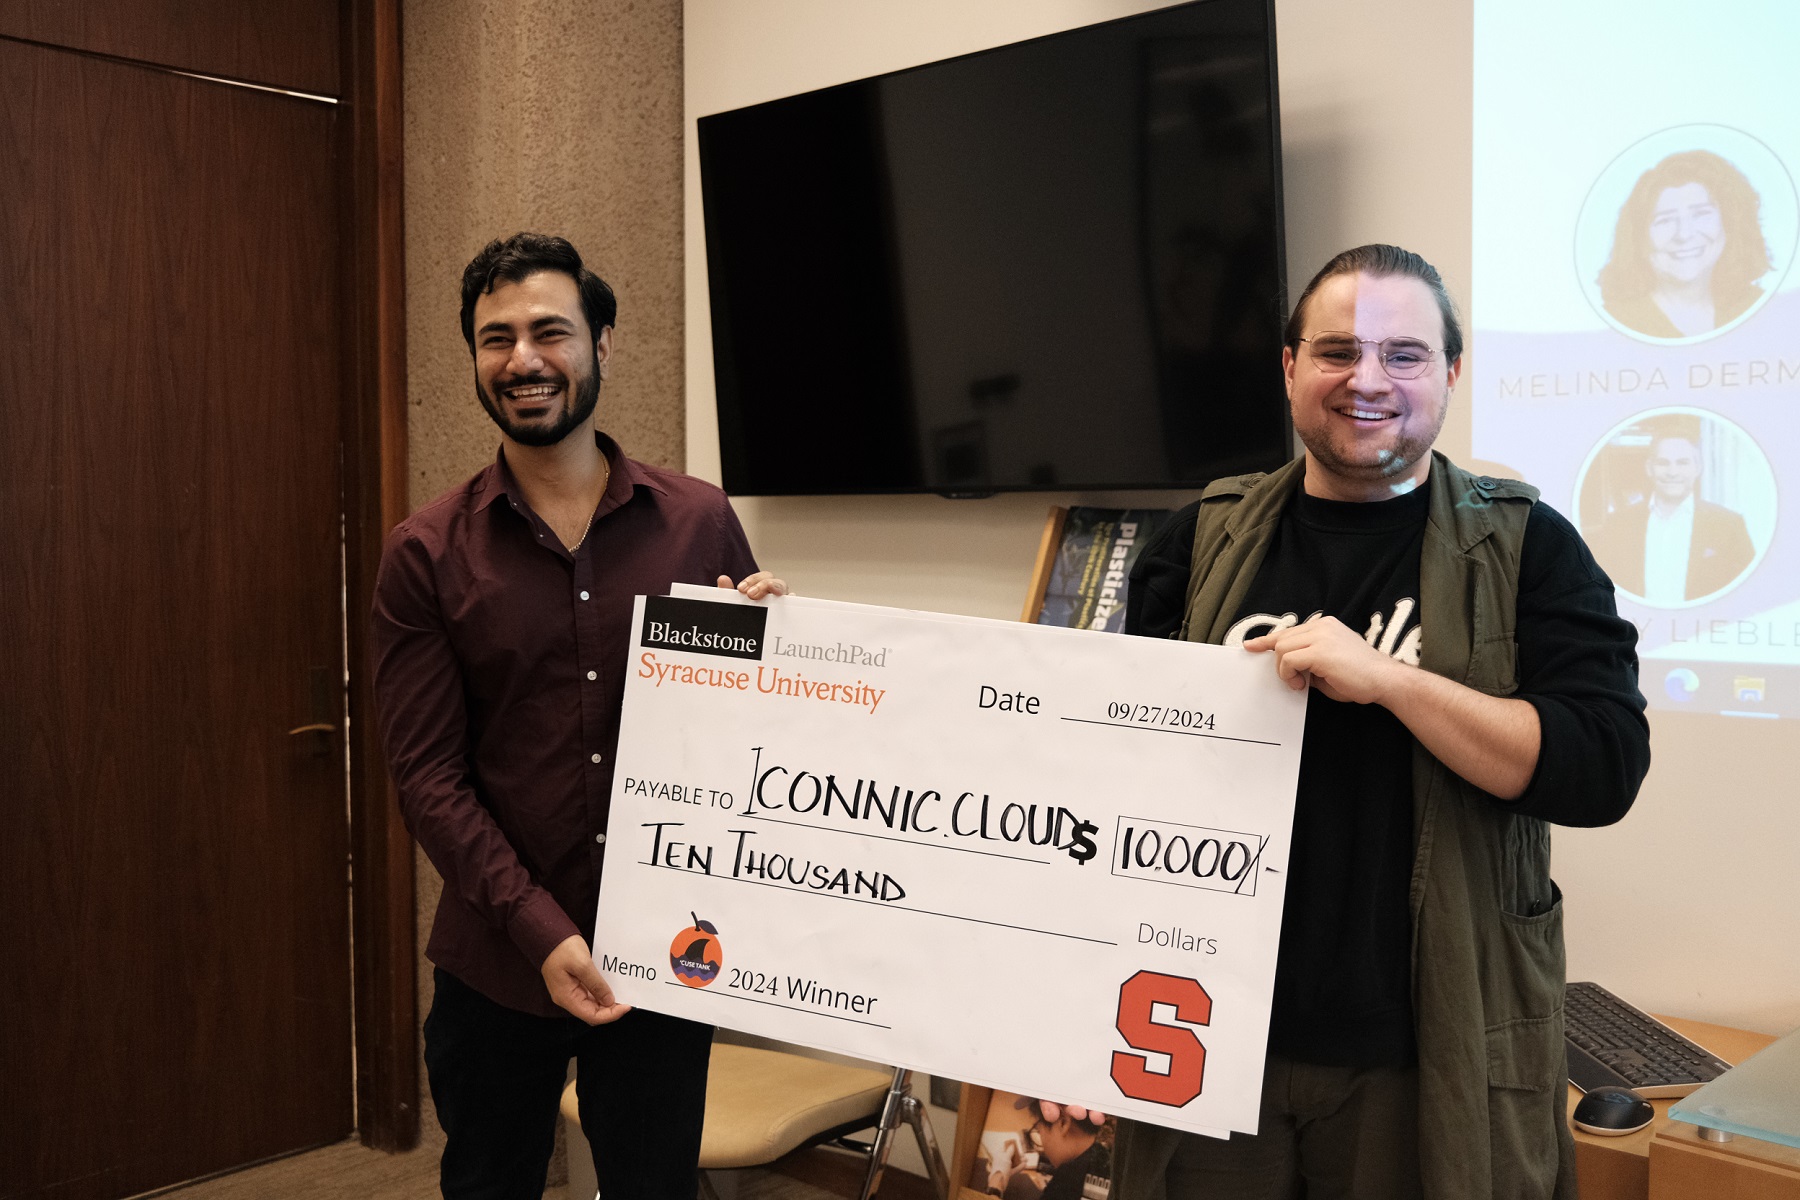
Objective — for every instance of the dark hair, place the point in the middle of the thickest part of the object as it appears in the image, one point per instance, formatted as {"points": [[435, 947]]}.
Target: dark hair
{"points": [[510, 260], [1677, 425], [1744, 260], [1382, 260]]}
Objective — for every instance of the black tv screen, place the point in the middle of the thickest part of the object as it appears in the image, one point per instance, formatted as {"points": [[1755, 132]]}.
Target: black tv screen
{"points": [[1053, 265]]}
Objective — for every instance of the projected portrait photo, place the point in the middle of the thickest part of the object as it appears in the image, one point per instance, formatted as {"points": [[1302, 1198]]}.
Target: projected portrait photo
{"points": [[1686, 234], [1678, 506]]}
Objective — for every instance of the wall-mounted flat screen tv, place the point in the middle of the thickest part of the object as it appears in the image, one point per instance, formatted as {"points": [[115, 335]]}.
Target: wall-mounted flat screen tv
{"points": [[1056, 265]]}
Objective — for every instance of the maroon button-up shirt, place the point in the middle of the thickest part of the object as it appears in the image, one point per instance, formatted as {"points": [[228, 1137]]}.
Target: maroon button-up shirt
{"points": [[500, 661]]}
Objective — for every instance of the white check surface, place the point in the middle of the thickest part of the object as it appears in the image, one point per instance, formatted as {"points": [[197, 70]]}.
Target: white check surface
{"points": [[887, 851]]}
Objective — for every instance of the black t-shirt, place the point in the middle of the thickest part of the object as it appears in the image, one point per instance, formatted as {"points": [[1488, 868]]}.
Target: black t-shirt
{"points": [[1342, 977]]}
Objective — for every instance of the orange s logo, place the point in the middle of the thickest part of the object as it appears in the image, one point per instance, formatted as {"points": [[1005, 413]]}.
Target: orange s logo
{"points": [[1187, 1057]]}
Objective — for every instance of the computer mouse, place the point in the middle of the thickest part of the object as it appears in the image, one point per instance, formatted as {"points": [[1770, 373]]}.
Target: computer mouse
{"points": [[1612, 1112]]}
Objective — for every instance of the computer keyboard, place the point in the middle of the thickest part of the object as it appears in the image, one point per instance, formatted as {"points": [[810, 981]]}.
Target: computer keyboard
{"points": [[1611, 1042]]}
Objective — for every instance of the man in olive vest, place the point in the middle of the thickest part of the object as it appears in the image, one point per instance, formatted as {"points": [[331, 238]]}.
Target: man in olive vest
{"points": [[1470, 681]]}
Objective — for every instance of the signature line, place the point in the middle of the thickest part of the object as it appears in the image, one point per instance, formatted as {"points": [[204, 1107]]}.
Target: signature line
{"points": [[928, 912], [811, 1012], [1160, 729]]}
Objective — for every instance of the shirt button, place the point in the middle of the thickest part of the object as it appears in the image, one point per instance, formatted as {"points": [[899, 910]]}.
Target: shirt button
{"points": [[600, 839], [594, 758], [591, 675], [584, 595]]}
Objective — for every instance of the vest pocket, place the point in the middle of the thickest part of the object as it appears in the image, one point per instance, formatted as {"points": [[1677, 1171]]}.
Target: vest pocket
{"points": [[1494, 665], [1527, 1066], [1526, 1100], [1522, 990], [1527, 1055]]}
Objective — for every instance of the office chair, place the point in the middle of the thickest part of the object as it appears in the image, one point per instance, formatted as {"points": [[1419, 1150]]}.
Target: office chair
{"points": [[764, 1104]]}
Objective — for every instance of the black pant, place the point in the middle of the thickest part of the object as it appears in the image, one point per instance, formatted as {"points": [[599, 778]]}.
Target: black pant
{"points": [[497, 1079]]}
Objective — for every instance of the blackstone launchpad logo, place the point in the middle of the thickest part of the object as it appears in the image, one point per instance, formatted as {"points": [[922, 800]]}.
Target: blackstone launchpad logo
{"points": [[695, 954], [704, 627]]}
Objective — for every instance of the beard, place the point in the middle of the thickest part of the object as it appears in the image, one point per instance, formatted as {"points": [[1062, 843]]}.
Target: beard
{"points": [[1342, 460], [578, 409], [1349, 461]]}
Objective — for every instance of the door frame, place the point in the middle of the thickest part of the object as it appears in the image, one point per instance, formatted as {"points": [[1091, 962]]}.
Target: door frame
{"points": [[374, 477]]}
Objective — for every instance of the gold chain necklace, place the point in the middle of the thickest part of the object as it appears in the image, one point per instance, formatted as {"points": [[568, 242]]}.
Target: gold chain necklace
{"points": [[605, 478]]}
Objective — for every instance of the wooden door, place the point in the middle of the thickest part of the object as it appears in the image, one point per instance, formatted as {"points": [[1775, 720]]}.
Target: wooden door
{"points": [[174, 907]]}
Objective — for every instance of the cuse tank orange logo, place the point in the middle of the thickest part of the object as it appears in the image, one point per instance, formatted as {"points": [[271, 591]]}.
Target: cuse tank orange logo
{"points": [[695, 953]]}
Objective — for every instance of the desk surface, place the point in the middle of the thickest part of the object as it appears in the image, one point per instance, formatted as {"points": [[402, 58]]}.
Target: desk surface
{"points": [[1618, 1168]]}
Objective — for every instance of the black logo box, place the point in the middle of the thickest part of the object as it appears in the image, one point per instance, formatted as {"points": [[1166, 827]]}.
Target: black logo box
{"points": [[704, 627]]}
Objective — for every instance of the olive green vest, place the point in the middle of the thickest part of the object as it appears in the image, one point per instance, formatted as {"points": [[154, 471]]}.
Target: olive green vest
{"points": [[1487, 958]]}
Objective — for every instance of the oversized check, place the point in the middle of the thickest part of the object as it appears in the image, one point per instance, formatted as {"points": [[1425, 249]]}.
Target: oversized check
{"points": [[1045, 860]]}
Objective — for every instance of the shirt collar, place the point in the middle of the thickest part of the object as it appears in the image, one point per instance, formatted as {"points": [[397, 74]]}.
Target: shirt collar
{"points": [[497, 481], [1683, 510]]}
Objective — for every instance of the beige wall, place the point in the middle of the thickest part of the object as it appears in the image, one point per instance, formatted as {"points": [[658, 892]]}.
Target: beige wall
{"points": [[559, 117]]}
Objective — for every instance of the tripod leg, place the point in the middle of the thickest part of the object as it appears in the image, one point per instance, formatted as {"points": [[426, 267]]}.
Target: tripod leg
{"points": [[914, 1111], [884, 1132]]}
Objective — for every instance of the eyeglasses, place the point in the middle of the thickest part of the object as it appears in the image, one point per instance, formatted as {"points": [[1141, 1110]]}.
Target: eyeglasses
{"points": [[1400, 357]]}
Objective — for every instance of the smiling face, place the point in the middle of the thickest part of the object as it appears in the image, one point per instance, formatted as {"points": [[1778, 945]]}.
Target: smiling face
{"points": [[1674, 469], [1687, 234], [1368, 436], [537, 368]]}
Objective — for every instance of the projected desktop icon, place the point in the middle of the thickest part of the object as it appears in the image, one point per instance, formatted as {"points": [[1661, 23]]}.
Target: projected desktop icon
{"points": [[1681, 684], [1748, 688]]}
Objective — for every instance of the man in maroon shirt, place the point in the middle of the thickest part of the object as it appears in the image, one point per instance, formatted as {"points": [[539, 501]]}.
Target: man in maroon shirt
{"points": [[501, 622]]}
